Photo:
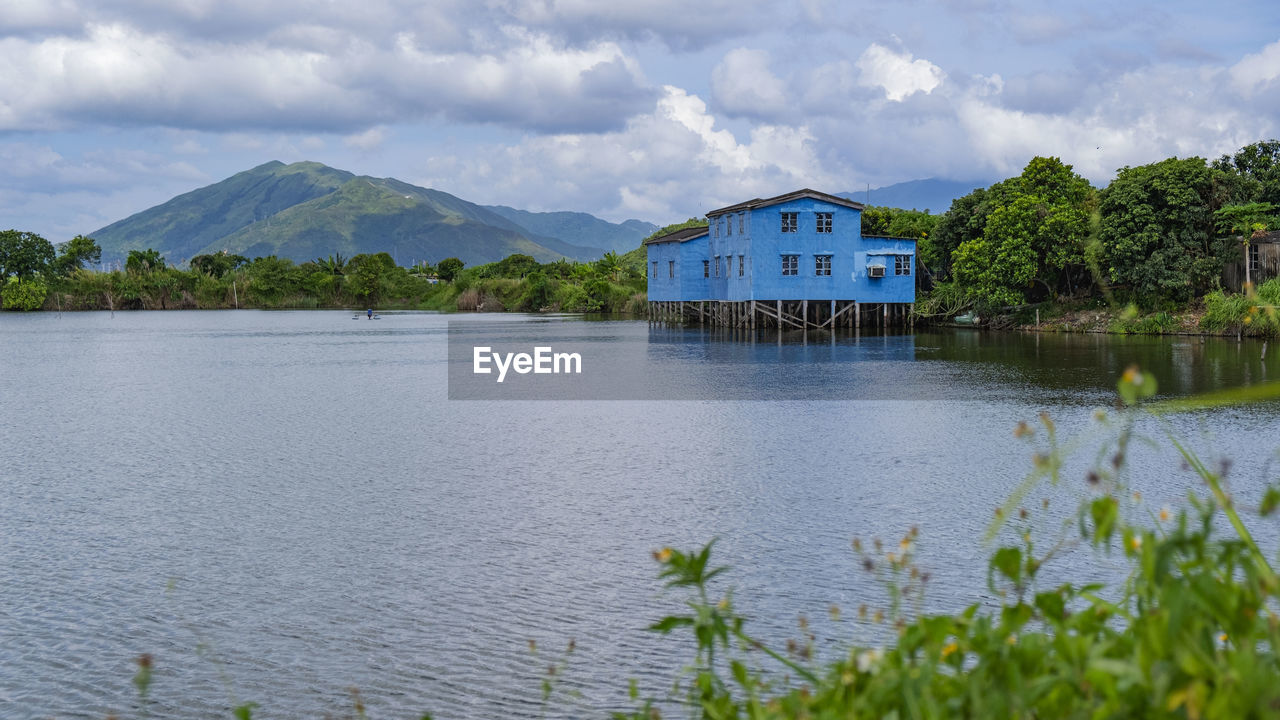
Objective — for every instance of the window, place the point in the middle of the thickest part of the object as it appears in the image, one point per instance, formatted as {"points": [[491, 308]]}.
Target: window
{"points": [[717, 227], [789, 222], [717, 266], [901, 264], [742, 265], [821, 264], [824, 222], [729, 225], [742, 223], [1255, 260], [791, 264], [671, 268], [706, 268], [655, 270]]}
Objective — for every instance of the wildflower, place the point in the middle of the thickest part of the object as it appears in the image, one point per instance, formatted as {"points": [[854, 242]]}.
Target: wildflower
{"points": [[1164, 514], [1137, 496], [1222, 638], [1135, 543], [723, 604], [905, 545], [847, 678], [663, 555], [869, 660], [878, 618], [1012, 639], [948, 649], [1022, 430], [1100, 415], [1131, 375]]}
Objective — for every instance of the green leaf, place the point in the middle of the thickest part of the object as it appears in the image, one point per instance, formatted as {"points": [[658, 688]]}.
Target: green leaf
{"points": [[1103, 511], [1008, 561], [667, 624], [1270, 501]]}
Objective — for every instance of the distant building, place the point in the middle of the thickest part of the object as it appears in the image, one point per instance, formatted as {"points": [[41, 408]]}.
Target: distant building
{"points": [[1263, 256], [798, 260]]}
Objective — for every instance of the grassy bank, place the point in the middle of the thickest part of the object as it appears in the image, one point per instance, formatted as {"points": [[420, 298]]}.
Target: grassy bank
{"points": [[1255, 313], [615, 284]]}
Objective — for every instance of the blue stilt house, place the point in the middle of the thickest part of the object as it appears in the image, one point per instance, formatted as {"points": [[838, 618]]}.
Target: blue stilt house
{"points": [[798, 260]]}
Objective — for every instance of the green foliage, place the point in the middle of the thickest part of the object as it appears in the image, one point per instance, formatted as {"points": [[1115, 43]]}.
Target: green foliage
{"points": [[270, 279], [513, 266], [668, 229], [73, 254], [1131, 322], [1192, 632], [217, 264], [1246, 314], [1157, 231], [1252, 174], [24, 293], [24, 254], [1034, 232], [449, 268], [144, 261]]}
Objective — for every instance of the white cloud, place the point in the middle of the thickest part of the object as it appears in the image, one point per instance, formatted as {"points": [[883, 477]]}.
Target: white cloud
{"points": [[666, 164], [1258, 69], [897, 73], [117, 74], [370, 139], [742, 84]]}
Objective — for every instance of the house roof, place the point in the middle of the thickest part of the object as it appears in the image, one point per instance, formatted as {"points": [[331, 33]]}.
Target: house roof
{"points": [[805, 193], [1272, 236], [682, 235]]}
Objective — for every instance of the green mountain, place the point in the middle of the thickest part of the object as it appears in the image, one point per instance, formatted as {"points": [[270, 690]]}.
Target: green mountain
{"points": [[579, 228], [185, 225], [308, 210]]}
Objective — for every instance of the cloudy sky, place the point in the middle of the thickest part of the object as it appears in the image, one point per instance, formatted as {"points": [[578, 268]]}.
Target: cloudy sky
{"points": [[654, 109]]}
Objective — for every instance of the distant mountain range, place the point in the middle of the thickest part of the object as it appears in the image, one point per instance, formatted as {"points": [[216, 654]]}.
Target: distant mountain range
{"points": [[932, 194], [307, 210]]}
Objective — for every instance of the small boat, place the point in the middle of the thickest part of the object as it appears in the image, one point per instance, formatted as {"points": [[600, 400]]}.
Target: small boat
{"points": [[967, 319]]}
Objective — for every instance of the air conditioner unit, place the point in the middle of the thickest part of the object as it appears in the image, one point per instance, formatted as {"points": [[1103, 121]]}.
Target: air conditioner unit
{"points": [[875, 271]]}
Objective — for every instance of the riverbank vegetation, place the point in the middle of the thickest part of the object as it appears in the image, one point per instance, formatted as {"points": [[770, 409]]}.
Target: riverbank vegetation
{"points": [[1146, 253], [40, 277]]}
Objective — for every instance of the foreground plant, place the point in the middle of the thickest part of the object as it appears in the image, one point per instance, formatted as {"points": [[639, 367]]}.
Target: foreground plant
{"points": [[1193, 631]]}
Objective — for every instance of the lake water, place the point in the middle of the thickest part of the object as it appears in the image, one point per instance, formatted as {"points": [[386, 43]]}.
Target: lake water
{"points": [[281, 506]]}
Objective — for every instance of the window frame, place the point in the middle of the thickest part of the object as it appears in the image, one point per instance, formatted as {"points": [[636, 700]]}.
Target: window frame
{"points": [[902, 265], [790, 222], [706, 268], [790, 265], [742, 265], [823, 222], [654, 275], [822, 265], [717, 266], [671, 269]]}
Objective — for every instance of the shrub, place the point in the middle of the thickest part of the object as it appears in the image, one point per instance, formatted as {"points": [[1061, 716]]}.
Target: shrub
{"points": [[26, 294]]}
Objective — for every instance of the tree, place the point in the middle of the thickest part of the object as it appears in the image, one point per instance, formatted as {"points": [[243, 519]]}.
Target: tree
{"points": [[449, 268], [365, 273], [1157, 231], [217, 264], [144, 261], [24, 254], [1252, 174], [75, 253], [1243, 221], [963, 223], [1034, 234]]}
